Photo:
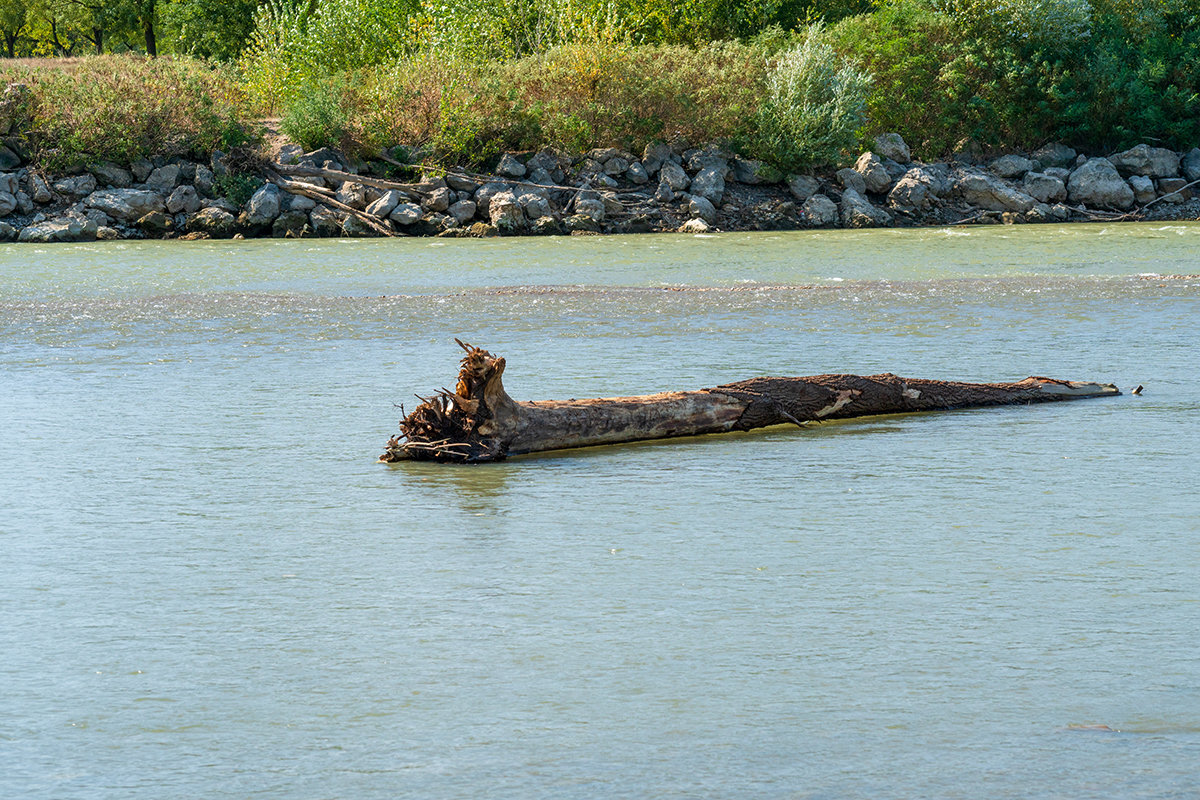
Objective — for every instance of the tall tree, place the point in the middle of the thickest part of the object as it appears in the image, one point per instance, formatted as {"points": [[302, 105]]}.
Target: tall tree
{"points": [[14, 14], [209, 28], [145, 12]]}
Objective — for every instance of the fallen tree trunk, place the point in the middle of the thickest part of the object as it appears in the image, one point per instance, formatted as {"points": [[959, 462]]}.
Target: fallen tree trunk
{"points": [[479, 422]]}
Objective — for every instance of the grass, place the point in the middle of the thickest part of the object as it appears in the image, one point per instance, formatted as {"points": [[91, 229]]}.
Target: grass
{"points": [[122, 108]]}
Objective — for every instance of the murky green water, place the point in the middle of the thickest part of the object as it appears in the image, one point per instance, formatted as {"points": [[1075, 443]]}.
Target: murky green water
{"points": [[211, 590]]}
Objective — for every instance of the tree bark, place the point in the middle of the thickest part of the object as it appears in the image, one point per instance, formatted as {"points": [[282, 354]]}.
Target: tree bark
{"points": [[148, 31], [479, 422]]}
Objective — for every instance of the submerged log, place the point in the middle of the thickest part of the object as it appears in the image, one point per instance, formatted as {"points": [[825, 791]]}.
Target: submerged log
{"points": [[479, 422]]}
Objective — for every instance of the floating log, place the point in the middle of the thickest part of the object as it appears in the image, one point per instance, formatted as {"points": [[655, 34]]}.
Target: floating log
{"points": [[479, 422]]}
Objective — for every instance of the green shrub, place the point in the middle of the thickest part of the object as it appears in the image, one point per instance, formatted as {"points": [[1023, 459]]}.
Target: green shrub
{"points": [[236, 187], [814, 107], [296, 42], [314, 117], [122, 108]]}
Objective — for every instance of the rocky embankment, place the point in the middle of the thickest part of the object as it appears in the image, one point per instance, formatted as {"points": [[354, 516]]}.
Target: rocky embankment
{"points": [[669, 187]]}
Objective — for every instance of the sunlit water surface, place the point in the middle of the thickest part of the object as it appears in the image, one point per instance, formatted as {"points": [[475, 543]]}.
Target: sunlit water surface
{"points": [[209, 589]]}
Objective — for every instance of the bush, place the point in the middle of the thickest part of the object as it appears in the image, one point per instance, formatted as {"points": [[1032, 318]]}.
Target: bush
{"points": [[815, 105], [296, 42], [236, 187], [315, 116], [122, 108], [576, 96]]}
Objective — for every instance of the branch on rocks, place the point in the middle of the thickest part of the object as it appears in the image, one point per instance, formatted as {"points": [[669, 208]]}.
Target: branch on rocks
{"points": [[299, 171], [323, 196], [1107, 216], [1170, 194], [479, 422]]}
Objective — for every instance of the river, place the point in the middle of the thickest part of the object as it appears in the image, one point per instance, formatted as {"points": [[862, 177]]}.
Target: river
{"points": [[210, 588]]}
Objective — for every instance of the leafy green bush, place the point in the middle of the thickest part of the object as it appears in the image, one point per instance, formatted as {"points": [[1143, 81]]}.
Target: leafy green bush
{"points": [[576, 96], [314, 117], [814, 107], [298, 41], [122, 108], [1100, 75], [236, 187]]}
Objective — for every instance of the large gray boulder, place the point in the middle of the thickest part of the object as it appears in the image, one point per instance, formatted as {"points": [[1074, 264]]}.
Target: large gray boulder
{"points": [[914, 190], [535, 205], [291, 224], [1153, 162], [1191, 164], [386, 203], [857, 212], [711, 155], [485, 193], [1143, 189], [204, 180], [110, 174], [510, 167], [125, 205], [709, 183], [10, 182], [874, 174], [988, 192], [463, 211], [616, 166], [461, 183], [263, 206], [141, 169], [1012, 166], [851, 179], [298, 202], [1098, 184], [184, 200], [438, 200], [1044, 188], [8, 159], [674, 176], [1174, 190], [353, 194], [819, 211], [39, 189], [700, 207], [591, 208], [405, 213], [655, 155], [216, 222], [63, 229], [326, 222], [8, 203], [76, 186], [803, 187], [1054, 154], [637, 173], [505, 212], [163, 179], [664, 194], [892, 146]]}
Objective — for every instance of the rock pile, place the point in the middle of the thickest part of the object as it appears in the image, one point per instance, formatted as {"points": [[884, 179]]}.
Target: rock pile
{"points": [[668, 187]]}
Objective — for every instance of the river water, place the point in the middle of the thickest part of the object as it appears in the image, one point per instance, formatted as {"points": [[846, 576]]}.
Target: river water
{"points": [[210, 588]]}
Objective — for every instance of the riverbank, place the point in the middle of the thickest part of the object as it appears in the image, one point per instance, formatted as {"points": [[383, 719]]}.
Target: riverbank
{"points": [[668, 187]]}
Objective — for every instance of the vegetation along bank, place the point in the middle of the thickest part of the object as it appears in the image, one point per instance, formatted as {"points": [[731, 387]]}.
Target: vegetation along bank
{"points": [[461, 117]]}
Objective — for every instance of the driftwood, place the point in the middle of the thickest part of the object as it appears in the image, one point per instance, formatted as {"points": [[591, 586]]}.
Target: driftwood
{"points": [[479, 422], [326, 197]]}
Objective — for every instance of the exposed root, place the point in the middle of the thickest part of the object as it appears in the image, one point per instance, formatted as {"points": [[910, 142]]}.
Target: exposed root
{"points": [[450, 426]]}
